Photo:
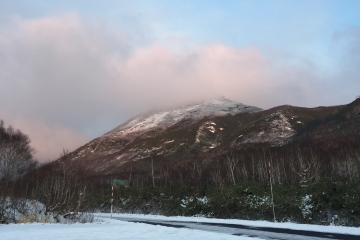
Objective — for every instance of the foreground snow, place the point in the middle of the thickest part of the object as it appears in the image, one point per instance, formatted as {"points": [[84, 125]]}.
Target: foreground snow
{"points": [[109, 229], [293, 226], [115, 229]]}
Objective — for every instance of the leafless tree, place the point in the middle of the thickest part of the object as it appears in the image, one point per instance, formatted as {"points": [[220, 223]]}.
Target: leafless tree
{"points": [[152, 171], [307, 168], [62, 189], [16, 154], [232, 162], [16, 159], [216, 177]]}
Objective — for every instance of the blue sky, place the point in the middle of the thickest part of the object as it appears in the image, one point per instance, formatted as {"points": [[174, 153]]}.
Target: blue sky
{"points": [[303, 27], [76, 69]]}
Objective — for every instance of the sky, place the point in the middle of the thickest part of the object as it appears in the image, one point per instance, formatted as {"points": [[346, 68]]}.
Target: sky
{"points": [[73, 70]]}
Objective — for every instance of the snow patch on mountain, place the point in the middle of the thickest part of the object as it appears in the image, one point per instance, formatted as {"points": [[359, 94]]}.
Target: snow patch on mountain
{"points": [[206, 137], [167, 118], [275, 129]]}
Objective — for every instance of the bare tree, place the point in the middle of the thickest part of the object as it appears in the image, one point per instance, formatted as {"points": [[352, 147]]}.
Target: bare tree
{"points": [[64, 152], [152, 171], [62, 190], [216, 178], [16, 159], [307, 168], [232, 162], [16, 154]]}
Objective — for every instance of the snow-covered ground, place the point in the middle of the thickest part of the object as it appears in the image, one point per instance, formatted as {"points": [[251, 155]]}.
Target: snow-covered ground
{"points": [[288, 225], [115, 229], [108, 229]]}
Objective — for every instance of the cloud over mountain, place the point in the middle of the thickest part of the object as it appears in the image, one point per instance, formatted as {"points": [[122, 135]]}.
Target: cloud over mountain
{"points": [[80, 78]]}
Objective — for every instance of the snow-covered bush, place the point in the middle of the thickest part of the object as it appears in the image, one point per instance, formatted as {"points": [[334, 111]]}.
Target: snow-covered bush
{"points": [[31, 211], [257, 202], [6, 213], [306, 207]]}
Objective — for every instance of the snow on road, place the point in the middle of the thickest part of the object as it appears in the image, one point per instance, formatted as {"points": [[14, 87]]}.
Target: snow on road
{"points": [[109, 229]]}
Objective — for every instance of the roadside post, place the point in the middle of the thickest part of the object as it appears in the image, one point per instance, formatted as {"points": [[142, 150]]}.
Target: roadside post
{"points": [[117, 183], [112, 198]]}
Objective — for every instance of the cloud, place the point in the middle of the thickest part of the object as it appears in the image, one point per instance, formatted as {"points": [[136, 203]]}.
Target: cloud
{"points": [[345, 82], [58, 64], [162, 77], [68, 80], [48, 140], [159, 76]]}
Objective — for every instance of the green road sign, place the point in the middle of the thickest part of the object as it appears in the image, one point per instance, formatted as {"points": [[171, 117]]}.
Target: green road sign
{"points": [[119, 182]]}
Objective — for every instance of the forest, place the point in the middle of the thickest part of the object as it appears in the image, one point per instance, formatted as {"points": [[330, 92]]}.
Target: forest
{"points": [[313, 181]]}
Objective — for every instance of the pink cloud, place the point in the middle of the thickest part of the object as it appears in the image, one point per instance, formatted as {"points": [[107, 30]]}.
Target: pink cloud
{"points": [[66, 79], [159, 76], [48, 140]]}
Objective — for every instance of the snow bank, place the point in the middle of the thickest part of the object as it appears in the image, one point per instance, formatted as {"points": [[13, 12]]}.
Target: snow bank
{"points": [[294, 226], [110, 229]]}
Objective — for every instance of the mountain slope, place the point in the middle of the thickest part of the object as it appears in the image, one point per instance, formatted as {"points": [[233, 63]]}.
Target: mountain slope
{"points": [[211, 127], [139, 137]]}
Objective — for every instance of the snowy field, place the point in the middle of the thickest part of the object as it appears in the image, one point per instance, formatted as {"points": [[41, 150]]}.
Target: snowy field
{"points": [[109, 229], [115, 229], [293, 226]]}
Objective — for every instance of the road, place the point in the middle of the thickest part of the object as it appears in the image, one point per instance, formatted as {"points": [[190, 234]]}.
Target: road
{"points": [[242, 230]]}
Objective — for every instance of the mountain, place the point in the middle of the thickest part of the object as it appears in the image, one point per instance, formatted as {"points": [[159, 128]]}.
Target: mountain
{"points": [[212, 127]]}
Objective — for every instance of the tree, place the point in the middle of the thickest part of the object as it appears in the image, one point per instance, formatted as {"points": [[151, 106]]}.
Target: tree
{"points": [[16, 159], [232, 161], [62, 190], [16, 154], [307, 168]]}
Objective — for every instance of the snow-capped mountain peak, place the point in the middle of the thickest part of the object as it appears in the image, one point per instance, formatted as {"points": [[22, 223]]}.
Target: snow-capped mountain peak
{"points": [[168, 117]]}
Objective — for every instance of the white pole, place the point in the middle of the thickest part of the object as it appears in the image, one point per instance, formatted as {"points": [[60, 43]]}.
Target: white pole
{"points": [[112, 198], [272, 196]]}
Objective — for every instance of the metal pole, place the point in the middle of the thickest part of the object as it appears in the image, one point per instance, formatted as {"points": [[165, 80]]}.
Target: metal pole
{"points": [[112, 198], [272, 196]]}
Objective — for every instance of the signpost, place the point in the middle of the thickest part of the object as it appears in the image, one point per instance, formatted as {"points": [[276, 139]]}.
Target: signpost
{"points": [[119, 182], [116, 183], [112, 199]]}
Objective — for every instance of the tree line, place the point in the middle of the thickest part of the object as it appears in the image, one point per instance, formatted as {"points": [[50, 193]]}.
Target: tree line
{"points": [[33, 192], [299, 164], [234, 183]]}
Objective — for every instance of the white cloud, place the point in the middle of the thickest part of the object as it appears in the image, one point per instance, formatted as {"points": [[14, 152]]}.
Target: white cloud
{"points": [[66, 78]]}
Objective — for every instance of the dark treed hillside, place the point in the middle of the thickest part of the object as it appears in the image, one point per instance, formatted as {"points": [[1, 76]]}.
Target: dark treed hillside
{"points": [[217, 166], [283, 130]]}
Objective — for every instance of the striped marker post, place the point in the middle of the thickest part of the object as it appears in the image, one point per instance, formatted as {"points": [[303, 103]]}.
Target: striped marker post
{"points": [[112, 199], [272, 196]]}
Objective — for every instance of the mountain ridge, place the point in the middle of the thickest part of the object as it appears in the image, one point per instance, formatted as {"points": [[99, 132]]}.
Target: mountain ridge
{"points": [[209, 127], [198, 110]]}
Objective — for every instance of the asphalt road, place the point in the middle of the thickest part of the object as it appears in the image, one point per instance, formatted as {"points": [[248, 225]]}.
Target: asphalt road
{"points": [[242, 230]]}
